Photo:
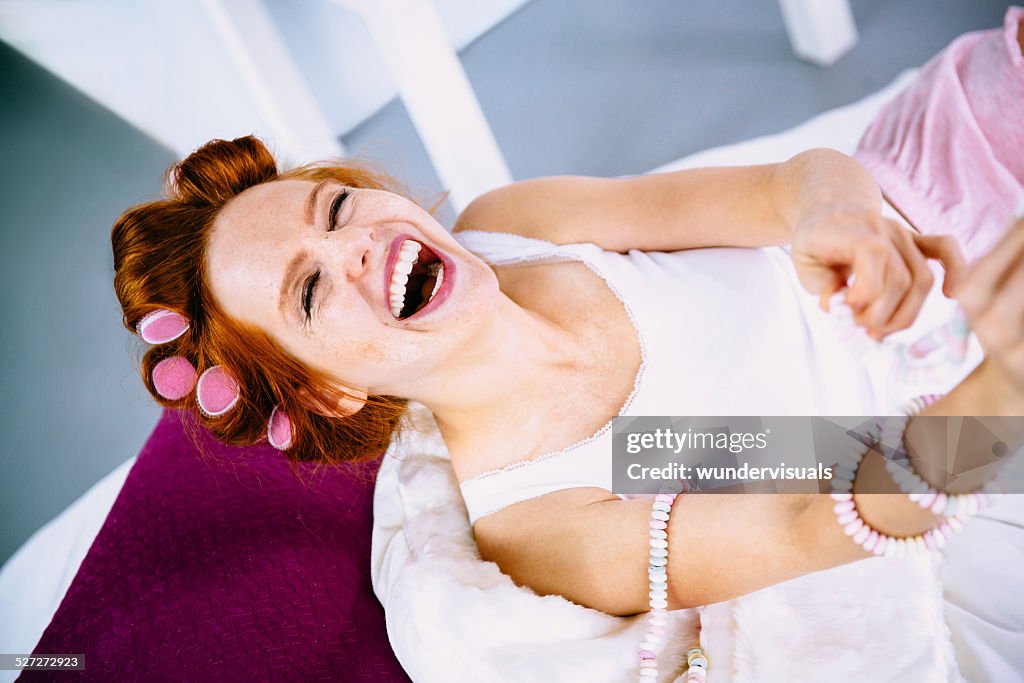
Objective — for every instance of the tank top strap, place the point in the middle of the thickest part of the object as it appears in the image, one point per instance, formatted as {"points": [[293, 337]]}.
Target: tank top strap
{"points": [[506, 248], [626, 275]]}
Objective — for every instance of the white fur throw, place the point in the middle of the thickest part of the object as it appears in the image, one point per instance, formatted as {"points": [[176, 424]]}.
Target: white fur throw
{"points": [[453, 617]]}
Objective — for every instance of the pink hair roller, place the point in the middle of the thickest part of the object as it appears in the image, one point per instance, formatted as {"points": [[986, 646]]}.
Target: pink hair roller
{"points": [[174, 377], [279, 429], [162, 326], [172, 180], [216, 392]]}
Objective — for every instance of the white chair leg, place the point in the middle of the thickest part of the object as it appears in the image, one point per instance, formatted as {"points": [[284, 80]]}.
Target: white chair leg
{"points": [[820, 31], [437, 94], [296, 127]]}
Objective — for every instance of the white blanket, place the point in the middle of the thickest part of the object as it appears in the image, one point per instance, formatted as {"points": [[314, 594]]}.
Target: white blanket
{"points": [[452, 617]]}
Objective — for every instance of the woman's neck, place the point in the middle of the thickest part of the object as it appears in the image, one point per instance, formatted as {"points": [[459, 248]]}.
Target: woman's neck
{"points": [[498, 380]]}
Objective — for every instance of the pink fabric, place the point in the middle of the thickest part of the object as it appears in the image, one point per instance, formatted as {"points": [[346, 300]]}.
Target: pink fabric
{"points": [[949, 151]]}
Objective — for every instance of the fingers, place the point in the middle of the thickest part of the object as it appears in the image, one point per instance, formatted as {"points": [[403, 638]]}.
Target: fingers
{"points": [[1000, 327], [992, 295], [907, 278], [918, 287], [885, 306], [1002, 322], [945, 249], [870, 262], [878, 316], [831, 280], [979, 287]]}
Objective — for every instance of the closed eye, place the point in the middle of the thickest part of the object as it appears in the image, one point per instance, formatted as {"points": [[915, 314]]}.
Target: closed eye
{"points": [[332, 215], [309, 289], [332, 224]]}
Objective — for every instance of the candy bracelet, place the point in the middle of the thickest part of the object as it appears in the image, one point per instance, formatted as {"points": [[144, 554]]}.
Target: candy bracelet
{"points": [[696, 660], [955, 509], [892, 431]]}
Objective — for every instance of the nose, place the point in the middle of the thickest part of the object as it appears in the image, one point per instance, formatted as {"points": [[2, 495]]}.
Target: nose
{"points": [[354, 248]]}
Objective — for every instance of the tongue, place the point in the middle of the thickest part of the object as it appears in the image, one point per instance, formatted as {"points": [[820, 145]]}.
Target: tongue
{"points": [[425, 291]]}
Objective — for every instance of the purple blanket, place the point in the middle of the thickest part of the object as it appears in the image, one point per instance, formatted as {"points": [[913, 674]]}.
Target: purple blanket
{"points": [[227, 568]]}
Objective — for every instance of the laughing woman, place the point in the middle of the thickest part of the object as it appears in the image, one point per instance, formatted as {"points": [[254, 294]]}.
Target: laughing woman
{"points": [[313, 304]]}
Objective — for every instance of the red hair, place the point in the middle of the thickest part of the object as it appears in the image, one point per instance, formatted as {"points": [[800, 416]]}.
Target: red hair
{"points": [[159, 250]]}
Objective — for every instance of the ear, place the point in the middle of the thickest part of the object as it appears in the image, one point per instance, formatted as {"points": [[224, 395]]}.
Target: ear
{"points": [[350, 402]]}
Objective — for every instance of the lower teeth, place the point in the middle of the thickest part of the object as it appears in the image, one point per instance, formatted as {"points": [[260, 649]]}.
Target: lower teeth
{"points": [[438, 273]]}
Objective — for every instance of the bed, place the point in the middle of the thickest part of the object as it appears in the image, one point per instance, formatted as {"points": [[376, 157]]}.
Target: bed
{"points": [[977, 575]]}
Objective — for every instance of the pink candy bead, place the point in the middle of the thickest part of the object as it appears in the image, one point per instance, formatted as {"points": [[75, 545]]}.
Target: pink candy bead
{"points": [[853, 527], [647, 654], [940, 503], [648, 664], [847, 517], [880, 546], [837, 495], [843, 506], [657, 524], [972, 503], [658, 630], [871, 541], [927, 499], [929, 542]]}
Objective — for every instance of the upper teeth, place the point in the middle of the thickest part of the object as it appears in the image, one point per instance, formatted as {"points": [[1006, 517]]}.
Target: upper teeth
{"points": [[407, 256]]}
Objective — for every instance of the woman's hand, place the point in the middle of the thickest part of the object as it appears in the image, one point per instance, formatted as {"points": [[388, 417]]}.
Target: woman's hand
{"points": [[992, 296], [833, 242]]}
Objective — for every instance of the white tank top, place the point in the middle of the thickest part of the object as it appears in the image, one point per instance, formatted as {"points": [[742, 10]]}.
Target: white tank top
{"points": [[722, 331]]}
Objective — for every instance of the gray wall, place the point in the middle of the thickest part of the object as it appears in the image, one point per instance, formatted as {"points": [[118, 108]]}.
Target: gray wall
{"points": [[569, 86], [72, 406]]}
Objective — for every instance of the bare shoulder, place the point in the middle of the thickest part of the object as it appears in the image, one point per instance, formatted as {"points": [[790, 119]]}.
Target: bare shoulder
{"points": [[542, 208], [519, 539], [516, 519]]}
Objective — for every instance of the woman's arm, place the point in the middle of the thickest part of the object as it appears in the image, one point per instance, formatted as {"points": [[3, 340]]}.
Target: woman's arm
{"points": [[821, 201], [592, 547], [741, 206]]}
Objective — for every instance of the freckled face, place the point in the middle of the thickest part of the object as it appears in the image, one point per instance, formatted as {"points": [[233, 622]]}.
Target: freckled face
{"points": [[313, 264]]}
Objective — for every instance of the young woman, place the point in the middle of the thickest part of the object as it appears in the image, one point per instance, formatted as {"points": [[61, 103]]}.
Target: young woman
{"points": [[325, 302]]}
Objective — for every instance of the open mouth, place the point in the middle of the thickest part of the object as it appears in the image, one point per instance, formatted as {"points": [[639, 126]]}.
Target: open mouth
{"points": [[415, 279]]}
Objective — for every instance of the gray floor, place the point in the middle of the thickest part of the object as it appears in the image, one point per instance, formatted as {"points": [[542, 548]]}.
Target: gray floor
{"points": [[615, 88], [569, 86]]}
